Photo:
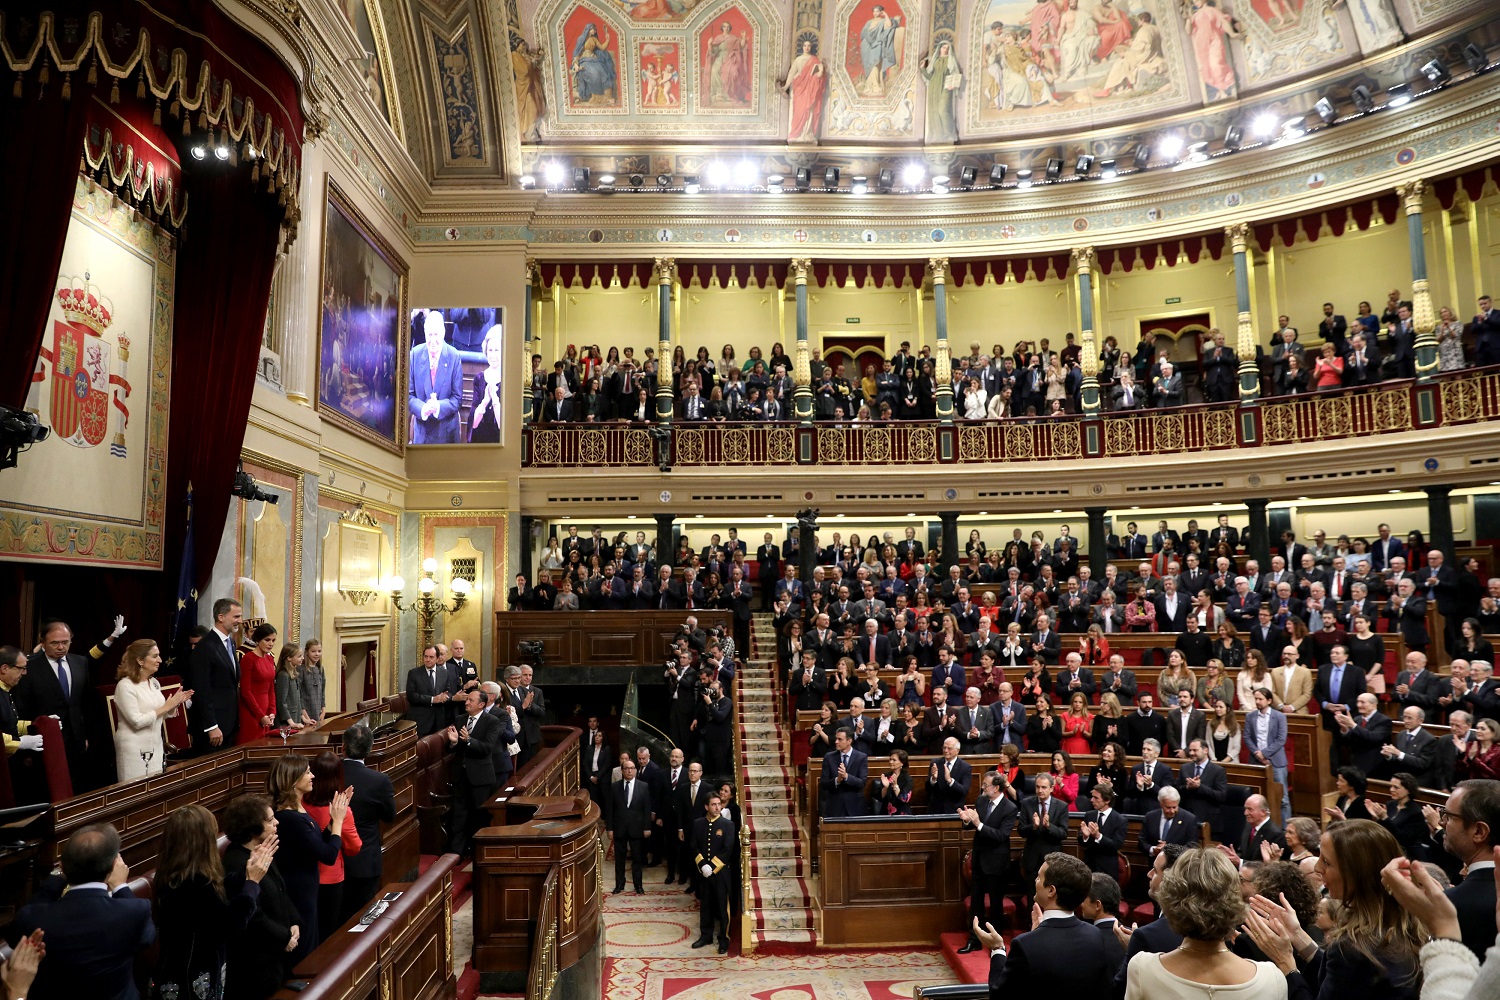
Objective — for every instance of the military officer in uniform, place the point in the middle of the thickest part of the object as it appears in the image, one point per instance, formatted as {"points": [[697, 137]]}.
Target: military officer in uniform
{"points": [[716, 844]]}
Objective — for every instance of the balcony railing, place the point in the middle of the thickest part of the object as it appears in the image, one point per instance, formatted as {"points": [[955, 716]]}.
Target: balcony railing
{"points": [[1390, 407]]}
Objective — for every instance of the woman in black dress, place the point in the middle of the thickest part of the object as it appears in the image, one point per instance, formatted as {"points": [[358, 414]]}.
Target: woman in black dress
{"points": [[1472, 645], [1350, 783], [1403, 816], [197, 913], [303, 845], [259, 960], [1367, 652], [890, 795], [927, 392], [1111, 767], [1043, 728]]}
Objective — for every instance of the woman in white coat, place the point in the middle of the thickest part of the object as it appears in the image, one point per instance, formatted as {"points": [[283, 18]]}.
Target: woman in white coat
{"points": [[141, 707]]}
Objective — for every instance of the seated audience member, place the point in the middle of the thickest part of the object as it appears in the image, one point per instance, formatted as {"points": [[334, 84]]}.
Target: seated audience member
{"points": [[198, 909], [260, 959], [1199, 899], [1373, 949], [1169, 824], [1061, 955], [92, 925]]}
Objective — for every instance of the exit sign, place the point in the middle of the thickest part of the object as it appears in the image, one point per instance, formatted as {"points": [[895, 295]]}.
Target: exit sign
{"points": [[1173, 300], [851, 319]]}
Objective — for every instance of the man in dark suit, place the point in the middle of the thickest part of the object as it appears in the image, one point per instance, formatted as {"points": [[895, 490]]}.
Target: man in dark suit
{"points": [[768, 570], [1339, 684], [1266, 636], [1157, 937], [1259, 829], [1385, 548], [650, 773], [1162, 535], [1061, 955], [1131, 544], [1363, 733], [1471, 831], [429, 689], [1203, 783], [1411, 749], [474, 779], [1171, 607], [1046, 640], [374, 803], [93, 926], [1224, 532], [843, 781], [531, 707], [630, 824], [716, 848], [739, 595], [873, 647], [557, 408], [948, 780], [690, 805], [716, 717], [1184, 724], [1009, 717], [1416, 685], [1144, 724], [1147, 778], [214, 678], [993, 818], [1074, 677], [1102, 909], [1043, 825], [435, 394], [1333, 328], [1102, 831], [1407, 611], [465, 672], [55, 683], [976, 725], [1169, 824]]}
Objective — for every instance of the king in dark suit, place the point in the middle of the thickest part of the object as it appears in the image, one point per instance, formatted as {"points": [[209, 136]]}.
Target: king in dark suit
{"points": [[214, 678]]}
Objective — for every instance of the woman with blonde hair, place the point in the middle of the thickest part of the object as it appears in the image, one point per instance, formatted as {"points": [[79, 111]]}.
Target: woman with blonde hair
{"points": [[314, 682], [139, 747], [1077, 725], [1214, 684], [1109, 724], [1372, 951], [198, 910], [1200, 899], [1093, 647]]}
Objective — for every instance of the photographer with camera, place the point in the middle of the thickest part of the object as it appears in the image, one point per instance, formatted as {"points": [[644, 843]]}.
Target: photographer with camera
{"points": [[715, 717], [682, 684]]}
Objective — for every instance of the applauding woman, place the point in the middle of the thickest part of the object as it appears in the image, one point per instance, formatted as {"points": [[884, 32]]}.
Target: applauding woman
{"points": [[260, 959], [139, 749], [891, 791], [304, 844]]}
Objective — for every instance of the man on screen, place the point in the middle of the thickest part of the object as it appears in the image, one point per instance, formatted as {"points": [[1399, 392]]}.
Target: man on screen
{"points": [[436, 387]]}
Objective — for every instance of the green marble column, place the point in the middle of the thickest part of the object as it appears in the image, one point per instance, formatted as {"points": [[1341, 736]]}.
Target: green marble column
{"points": [[802, 394], [942, 368]]}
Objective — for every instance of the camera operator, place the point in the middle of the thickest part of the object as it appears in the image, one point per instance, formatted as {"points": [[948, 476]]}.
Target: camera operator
{"points": [[715, 657], [715, 716], [692, 633], [682, 683]]}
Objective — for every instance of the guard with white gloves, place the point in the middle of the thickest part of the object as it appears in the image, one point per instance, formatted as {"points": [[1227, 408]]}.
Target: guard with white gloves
{"points": [[15, 730]]}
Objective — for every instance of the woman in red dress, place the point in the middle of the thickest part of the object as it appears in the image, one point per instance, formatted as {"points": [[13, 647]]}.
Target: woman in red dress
{"points": [[1483, 760], [1077, 725], [258, 686]]}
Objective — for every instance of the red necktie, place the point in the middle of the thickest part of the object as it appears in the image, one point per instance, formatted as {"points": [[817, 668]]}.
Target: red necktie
{"points": [[872, 650]]}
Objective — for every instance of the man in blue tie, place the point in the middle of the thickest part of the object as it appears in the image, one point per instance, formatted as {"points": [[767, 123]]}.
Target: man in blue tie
{"points": [[1339, 684], [214, 677]]}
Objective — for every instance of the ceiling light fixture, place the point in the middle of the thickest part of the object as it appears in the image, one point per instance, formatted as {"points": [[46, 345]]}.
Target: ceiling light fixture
{"points": [[199, 152], [1294, 128], [830, 178], [663, 180], [1169, 146], [1326, 111], [1084, 165], [859, 185], [1398, 95], [221, 152], [912, 174], [554, 172], [636, 180], [1476, 57], [746, 174], [1142, 156], [716, 174], [773, 183], [1234, 136], [1364, 101], [1054, 168], [1436, 72], [967, 176], [1265, 124], [1023, 179], [1108, 170], [939, 183], [580, 179], [997, 174], [804, 178], [527, 182]]}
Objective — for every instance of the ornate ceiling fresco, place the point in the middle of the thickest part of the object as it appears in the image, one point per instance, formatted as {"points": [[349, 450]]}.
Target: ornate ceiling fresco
{"points": [[485, 89]]}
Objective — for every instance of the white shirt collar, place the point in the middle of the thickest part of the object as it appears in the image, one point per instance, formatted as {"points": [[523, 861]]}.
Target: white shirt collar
{"points": [[1054, 914], [1479, 866], [89, 885]]}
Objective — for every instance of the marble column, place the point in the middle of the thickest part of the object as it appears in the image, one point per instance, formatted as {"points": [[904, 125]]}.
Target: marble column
{"points": [[1259, 546], [950, 542], [1440, 523], [1083, 258], [1244, 347], [1098, 542], [802, 394], [294, 304], [664, 269], [942, 368], [528, 337], [1424, 317]]}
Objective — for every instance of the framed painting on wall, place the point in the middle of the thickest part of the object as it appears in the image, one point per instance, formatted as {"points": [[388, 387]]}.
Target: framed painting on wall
{"points": [[361, 316]]}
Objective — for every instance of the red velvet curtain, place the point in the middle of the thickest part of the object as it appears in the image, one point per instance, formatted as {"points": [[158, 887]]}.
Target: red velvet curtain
{"points": [[35, 200], [224, 271]]}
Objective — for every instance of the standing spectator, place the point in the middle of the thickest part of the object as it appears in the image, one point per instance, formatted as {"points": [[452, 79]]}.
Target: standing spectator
{"points": [[139, 748], [199, 909], [214, 672], [374, 802], [304, 844], [314, 682], [260, 959], [429, 690], [290, 712], [715, 849], [475, 736], [55, 684], [1450, 338], [92, 924], [258, 686], [531, 705], [328, 779]]}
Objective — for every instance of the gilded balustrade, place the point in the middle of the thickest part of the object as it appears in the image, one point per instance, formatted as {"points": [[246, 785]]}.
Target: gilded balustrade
{"points": [[1457, 398]]}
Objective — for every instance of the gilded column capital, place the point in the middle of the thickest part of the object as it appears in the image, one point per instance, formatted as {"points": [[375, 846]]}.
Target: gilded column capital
{"points": [[801, 267], [1413, 193], [533, 272], [664, 268], [939, 268], [1239, 237], [1083, 258]]}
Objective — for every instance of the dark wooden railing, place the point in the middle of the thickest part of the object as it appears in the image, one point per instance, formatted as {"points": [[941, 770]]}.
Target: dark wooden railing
{"points": [[1390, 407]]}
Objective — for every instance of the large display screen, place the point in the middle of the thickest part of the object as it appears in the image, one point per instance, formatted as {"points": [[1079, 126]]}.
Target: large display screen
{"points": [[453, 381]]}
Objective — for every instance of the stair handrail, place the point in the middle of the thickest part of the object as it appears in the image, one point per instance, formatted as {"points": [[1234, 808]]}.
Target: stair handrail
{"points": [[747, 933]]}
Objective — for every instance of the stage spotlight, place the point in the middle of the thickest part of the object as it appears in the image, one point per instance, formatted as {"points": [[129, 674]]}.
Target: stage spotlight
{"points": [[939, 183], [221, 152], [527, 182], [1169, 146], [1436, 72], [830, 177], [1398, 95], [199, 152], [1264, 124], [1108, 170], [1295, 127], [716, 174], [1364, 101], [804, 178], [554, 173], [1476, 57], [1054, 168], [1196, 152], [967, 176], [1023, 179], [1084, 165], [636, 180], [745, 174], [1234, 136], [859, 185], [997, 174], [606, 184], [912, 174], [580, 179], [1142, 156], [773, 183], [1326, 111], [885, 180], [690, 185], [663, 180]]}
